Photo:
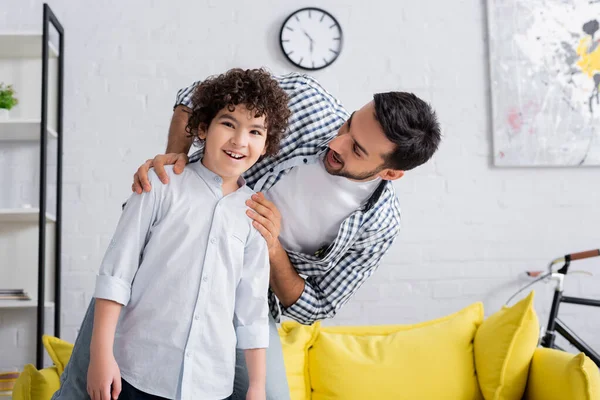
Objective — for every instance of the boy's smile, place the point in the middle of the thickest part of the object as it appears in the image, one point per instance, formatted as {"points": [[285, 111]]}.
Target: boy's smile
{"points": [[233, 154]]}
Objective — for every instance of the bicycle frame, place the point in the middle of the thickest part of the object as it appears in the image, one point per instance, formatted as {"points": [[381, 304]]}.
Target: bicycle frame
{"points": [[555, 325]]}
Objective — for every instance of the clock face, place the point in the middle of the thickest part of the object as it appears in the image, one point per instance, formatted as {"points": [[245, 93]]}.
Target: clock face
{"points": [[311, 38]]}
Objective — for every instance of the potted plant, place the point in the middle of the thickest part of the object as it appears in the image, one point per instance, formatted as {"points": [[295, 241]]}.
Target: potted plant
{"points": [[7, 100]]}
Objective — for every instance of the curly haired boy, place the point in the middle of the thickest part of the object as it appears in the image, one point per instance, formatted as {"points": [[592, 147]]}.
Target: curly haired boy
{"points": [[184, 281]]}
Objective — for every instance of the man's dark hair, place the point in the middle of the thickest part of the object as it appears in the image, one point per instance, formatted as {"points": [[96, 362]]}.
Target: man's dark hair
{"points": [[254, 88], [411, 124]]}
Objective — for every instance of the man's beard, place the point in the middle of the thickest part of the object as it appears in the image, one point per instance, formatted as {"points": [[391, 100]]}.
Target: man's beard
{"points": [[350, 175]]}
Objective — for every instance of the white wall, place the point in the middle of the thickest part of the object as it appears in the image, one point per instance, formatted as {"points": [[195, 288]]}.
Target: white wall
{"points": [[469, 229]]}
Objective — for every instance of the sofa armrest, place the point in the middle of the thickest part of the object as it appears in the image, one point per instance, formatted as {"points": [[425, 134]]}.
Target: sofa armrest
{"points": [[557, 375]]}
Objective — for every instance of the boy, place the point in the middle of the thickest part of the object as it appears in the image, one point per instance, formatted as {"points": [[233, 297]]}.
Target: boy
{"points": [[186, 275]]}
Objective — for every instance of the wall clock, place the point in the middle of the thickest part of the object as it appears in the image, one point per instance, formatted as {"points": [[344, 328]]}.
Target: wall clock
{"points": [[311, 38]]}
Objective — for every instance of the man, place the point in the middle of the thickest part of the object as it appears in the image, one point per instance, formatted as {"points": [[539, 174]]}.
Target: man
{"points": [[327, 206]]}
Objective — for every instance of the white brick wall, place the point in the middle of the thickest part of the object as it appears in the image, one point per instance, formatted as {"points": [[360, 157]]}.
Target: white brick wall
{"points": [[469, 229]]}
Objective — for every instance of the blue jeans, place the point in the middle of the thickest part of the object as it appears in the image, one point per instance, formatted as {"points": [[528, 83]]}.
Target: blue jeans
{"points": [[73, 381]]}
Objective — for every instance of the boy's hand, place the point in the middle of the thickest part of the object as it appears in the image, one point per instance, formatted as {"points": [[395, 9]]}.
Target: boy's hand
{"points": [[267, 219], [256, 393], [104, 378], [140, 178]]}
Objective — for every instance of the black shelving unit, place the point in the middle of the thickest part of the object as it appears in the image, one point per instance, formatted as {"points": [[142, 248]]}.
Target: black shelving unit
{"points": [[50, 19], [23, 224]]}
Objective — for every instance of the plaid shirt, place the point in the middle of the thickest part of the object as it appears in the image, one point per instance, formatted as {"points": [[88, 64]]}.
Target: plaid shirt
{"points": [[334, 273]]}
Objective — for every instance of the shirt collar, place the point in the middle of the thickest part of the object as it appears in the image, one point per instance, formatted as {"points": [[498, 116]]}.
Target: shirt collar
{"points": [[210, 177]]}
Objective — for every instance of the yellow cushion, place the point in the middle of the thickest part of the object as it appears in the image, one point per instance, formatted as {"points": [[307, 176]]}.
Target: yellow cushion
{"points": [[36, 385], [430, 360], [58, 350], [584, 376], [557, 375], [296, 339], [504, 346]]}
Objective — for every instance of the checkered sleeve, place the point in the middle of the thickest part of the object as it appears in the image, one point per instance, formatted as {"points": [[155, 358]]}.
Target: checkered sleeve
{"points": [[184, 95], [324, 295]]}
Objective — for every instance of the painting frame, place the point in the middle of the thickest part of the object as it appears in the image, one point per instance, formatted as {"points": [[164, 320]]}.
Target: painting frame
{"points": [[544, 65]]}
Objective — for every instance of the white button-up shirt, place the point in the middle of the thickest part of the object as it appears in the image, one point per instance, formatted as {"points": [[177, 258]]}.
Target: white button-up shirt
{"points": [[193, 275]]}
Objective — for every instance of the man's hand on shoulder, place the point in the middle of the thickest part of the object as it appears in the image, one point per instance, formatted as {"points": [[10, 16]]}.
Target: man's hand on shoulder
{"points": [[140, 178], [267, 219]]}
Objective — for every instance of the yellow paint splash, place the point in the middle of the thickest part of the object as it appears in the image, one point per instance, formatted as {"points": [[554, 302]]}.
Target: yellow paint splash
{"points": [[589, 62]]}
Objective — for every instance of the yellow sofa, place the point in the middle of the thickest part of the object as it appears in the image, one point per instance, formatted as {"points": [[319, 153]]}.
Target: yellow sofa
{"points": [[457, 357]]}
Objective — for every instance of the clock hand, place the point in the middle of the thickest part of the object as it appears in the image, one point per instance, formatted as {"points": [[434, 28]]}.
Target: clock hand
{"points": [[308, 36]]}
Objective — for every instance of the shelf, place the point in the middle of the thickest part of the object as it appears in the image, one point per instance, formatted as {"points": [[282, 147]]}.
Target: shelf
{"points": [[23, 45], [23, 215], [23, 304], [28, 130]]}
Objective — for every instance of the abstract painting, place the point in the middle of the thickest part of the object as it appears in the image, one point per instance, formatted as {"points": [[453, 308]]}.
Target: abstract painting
{"points": [[545, 82]]}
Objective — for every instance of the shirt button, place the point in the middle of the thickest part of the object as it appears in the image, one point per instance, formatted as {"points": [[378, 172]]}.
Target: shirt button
{"points": [[305, 161], [213, 240], [196, 317], [217, 179], [188, 354], [271, 170], [205, 279]]}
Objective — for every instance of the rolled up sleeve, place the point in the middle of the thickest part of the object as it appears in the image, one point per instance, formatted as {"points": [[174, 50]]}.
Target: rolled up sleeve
{"points": [[184, 96], [251, 317], [112, 288], [310, 306], [123, 256], [324, 295], [252, 337]]}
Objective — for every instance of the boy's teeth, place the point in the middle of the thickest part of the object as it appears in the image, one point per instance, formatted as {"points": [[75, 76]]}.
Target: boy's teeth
{"points": [[234, 155]]}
